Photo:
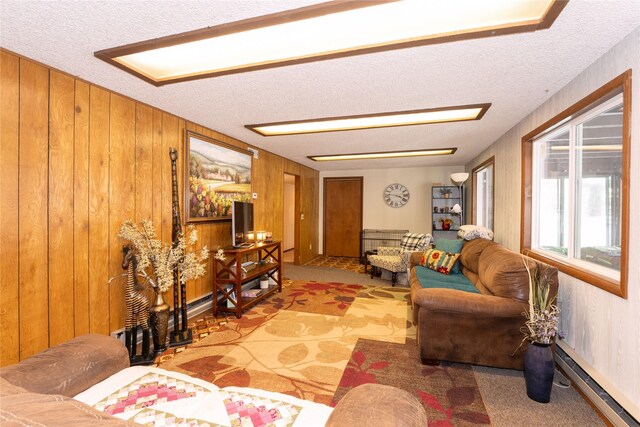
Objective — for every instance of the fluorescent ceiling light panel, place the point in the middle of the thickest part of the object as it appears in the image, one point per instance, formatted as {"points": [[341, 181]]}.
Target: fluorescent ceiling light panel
{"points": [[377, 120], [324, 31], [384, 155]]}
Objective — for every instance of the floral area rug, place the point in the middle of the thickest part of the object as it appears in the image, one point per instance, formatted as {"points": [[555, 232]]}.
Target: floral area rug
{"points": [[344, 263], [448, 391], [316, 341]]}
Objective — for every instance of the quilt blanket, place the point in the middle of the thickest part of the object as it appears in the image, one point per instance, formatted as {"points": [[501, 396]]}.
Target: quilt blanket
{"points": [[156, 397]]}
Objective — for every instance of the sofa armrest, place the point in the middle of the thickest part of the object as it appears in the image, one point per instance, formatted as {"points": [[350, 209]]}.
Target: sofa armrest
{"points": [[415, 259], [460, 302], [71, 367]]}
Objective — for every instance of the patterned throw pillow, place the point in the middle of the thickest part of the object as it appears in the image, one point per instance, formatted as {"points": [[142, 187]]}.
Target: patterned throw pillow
{"points": [[453, 246], [470, 232], [413, 242], [439, 261]]}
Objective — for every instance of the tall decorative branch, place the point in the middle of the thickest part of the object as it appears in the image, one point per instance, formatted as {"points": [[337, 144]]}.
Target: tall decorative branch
{"points": [[157, 260]]}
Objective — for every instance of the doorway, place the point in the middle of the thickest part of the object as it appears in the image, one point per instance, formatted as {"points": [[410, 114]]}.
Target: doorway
{"points": [[342, 216], [291, 237]]}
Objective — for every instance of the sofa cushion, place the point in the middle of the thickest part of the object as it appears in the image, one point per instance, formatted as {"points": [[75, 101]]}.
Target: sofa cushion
{"points": [[35, 409], [70, 367], [6, 388], [432, 279], [439, 261], [453, 246], [503, 272], [471, 250]]}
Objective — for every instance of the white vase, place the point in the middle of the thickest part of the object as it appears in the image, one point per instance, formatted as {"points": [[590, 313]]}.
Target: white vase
{"points": [[264, 284]]}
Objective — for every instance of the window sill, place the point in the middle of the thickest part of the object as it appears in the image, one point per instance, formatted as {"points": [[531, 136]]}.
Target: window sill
{"points": [[616, 287]]}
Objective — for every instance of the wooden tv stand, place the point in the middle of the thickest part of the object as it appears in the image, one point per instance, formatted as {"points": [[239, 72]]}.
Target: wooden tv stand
{"points": [[229, 276]]}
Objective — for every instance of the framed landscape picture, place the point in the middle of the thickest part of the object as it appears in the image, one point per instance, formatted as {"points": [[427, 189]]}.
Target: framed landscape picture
{"points": [[216, 175]]}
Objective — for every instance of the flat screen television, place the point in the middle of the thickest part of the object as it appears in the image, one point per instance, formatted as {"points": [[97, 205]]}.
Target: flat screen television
{"points": [[241, 223]]}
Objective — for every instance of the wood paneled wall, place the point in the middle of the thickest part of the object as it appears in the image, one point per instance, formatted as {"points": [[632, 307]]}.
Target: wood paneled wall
{"points": [[77, 160]]}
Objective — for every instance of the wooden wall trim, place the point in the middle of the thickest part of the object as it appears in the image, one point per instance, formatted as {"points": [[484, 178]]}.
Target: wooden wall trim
{"points": [[620, 84]]}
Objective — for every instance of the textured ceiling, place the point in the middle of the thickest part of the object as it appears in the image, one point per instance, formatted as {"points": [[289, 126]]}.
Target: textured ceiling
{"points": [[515, 73]]}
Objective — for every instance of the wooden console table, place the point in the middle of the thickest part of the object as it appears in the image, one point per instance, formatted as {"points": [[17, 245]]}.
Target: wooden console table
{"points": [[230, 276]]}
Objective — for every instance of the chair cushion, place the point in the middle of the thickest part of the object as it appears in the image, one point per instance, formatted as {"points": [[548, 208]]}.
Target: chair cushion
{"points": [[431, 279], [453, 246], [391, 263], [413, 241], [439, 261]]}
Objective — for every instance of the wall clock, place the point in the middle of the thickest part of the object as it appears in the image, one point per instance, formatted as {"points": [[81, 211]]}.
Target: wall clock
{"points": [[396, 195]]}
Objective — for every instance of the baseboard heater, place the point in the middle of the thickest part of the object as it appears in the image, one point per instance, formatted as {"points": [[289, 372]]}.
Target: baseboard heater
{"points": [[194, 308], [615, 413]]}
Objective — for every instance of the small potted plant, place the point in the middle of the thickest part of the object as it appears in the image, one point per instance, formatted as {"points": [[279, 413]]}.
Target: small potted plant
{"points": [[445, 223], [540, 330], [445, 192]]}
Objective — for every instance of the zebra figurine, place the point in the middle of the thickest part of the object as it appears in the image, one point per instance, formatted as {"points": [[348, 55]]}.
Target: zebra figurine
{"points": [[137, 306]]}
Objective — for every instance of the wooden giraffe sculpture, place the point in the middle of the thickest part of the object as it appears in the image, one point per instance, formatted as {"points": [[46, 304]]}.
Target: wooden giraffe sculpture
{"points": [[181, 335], [137, 305]]}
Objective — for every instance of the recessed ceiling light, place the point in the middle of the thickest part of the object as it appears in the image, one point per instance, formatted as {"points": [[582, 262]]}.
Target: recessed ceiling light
{"points": [[325, 31], [384, 154], [377, 120]]}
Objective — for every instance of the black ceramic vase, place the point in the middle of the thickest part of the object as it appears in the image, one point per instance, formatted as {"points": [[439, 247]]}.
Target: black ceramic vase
{"points": [[538, 371]]}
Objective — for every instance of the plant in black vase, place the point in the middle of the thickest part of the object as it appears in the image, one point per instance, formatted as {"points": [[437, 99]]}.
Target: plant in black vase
{"points": [[540, 330]]}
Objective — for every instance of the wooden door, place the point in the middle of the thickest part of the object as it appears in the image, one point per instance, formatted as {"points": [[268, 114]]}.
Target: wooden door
{"points": [[342, 216]]}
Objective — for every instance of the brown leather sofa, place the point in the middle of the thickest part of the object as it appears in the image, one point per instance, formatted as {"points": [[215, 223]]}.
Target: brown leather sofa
{"points": [[38, 390], [478, 328]]}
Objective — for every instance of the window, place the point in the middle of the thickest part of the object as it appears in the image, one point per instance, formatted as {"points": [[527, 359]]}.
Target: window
{"points": [[482, 194], [575, 195]]}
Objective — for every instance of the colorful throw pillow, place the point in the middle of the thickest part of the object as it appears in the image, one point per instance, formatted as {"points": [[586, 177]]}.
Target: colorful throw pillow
{"points": [[439, 261], [453, 246]]}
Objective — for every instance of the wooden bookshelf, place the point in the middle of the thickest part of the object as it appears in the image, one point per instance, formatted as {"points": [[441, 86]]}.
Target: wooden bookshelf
{"points": [[230, 276]]}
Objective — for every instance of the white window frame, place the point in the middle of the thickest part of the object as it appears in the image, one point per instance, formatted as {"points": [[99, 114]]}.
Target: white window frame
{"points": [[572, 127], [488, 189]]}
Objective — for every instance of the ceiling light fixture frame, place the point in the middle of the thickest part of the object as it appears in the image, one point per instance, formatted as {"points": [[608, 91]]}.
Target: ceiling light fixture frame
{"points": [[385, 154], [110, 55], [483, 109]]}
